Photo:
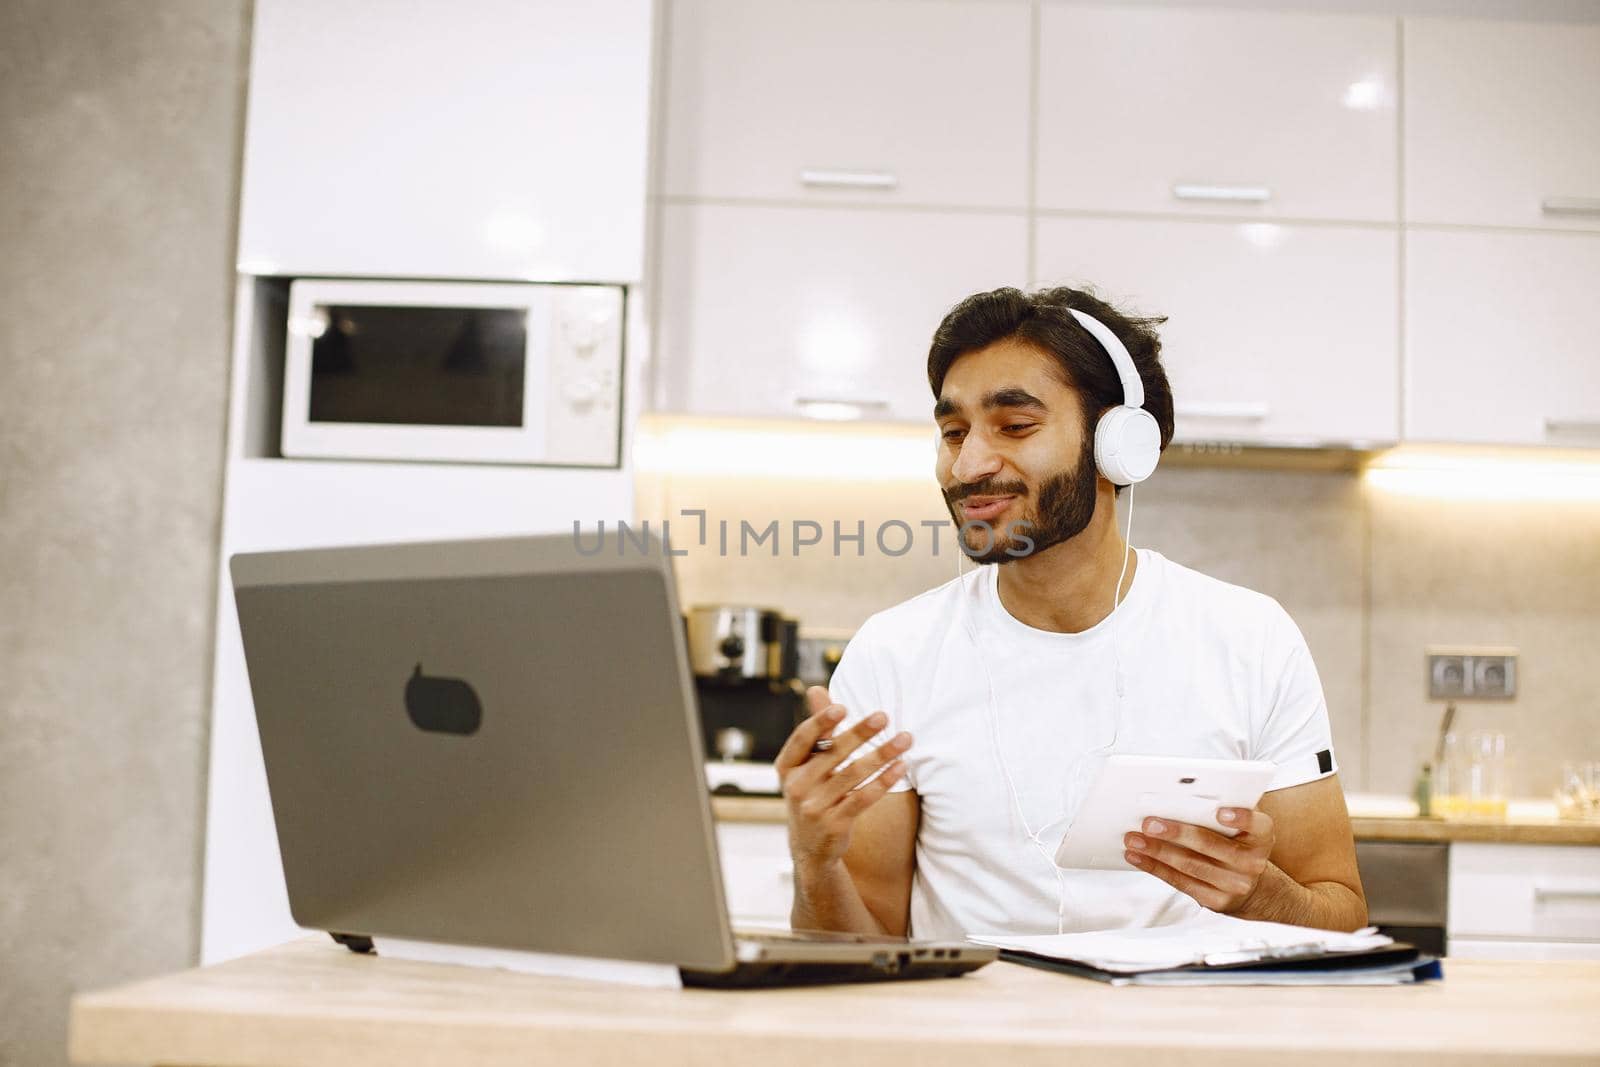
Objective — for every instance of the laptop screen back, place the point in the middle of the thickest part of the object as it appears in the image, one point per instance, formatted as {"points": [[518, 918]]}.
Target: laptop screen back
{"points": [[489, 743]]}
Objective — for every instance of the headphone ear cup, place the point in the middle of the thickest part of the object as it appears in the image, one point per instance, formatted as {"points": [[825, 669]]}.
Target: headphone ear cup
{"points": [[1127, 445]]}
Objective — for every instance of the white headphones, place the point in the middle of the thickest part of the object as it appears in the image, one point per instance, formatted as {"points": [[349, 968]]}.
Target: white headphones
{"points": [[1127, 441]]}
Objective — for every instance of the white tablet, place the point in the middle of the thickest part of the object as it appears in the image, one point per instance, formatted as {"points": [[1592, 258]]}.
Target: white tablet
{"points": [[1130, 789]]}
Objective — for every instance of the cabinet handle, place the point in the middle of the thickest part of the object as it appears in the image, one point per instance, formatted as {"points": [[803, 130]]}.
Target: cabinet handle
{"points": [[1250, 412], [1542, 893], [1253, 194], [838, 409], [848, 179], [1571, 205], [1556, 424]]}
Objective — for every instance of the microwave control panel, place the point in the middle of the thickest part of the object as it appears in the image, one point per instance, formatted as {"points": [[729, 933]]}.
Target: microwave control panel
{"points": [[583, 406]]}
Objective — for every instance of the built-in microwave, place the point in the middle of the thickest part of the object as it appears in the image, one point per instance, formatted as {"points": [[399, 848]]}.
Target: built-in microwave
{"points": [[454, 372]]}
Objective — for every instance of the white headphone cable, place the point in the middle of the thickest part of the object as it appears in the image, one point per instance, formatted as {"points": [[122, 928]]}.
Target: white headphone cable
{"points": [[1036, 837], [1118, 682]]}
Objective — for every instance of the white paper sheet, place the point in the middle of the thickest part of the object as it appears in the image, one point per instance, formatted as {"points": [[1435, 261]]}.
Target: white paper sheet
{"points": [[1209, 938]]}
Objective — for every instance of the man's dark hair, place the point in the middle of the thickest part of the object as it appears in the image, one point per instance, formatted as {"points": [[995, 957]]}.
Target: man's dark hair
{"points": [[1043, 320]]}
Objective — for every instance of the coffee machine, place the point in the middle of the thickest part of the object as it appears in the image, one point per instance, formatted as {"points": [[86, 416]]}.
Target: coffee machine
{"points": [[746, 672]]}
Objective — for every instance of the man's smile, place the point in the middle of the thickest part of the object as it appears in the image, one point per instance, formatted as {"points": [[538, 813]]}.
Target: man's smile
{"points": [[984, 508]]}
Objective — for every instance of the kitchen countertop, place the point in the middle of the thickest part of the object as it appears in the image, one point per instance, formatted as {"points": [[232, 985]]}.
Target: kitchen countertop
{"points": [[310, 1003], [1372, 819], [1513, 830]]}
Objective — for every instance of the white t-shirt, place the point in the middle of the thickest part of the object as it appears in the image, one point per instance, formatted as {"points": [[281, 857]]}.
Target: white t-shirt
{"points": [[1208, 669]]}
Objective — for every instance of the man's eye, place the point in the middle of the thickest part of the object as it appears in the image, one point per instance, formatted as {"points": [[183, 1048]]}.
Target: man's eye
{"points": [[954, 435], [1016, 427]]}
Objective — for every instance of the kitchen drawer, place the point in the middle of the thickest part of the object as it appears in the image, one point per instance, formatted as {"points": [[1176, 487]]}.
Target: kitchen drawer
{"points": [[1473, 948], [757, 873], [1524, 891]]}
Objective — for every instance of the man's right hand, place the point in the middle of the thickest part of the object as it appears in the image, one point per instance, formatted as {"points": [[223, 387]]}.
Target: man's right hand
{"points": [[824, 801]]}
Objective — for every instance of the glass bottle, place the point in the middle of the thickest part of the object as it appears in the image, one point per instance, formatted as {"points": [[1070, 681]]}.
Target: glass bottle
{"points": [[1449, 778], [1486, 751]]}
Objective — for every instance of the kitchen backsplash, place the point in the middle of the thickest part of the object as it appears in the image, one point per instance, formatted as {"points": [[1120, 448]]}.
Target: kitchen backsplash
{"points": [[1371, 576]]}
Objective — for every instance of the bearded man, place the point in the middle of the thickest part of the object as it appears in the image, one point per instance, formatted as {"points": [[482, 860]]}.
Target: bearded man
{"points": [[959, 732]]}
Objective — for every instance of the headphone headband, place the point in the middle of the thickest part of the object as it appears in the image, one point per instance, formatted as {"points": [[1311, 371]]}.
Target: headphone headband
{"points": [[1132, 384]]}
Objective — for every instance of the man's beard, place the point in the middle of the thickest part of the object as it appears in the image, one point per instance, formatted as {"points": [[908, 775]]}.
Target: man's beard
{"points": [[1066, 504]]}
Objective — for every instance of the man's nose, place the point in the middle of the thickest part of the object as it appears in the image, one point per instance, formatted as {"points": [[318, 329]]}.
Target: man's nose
{"points": [[976, 460]]}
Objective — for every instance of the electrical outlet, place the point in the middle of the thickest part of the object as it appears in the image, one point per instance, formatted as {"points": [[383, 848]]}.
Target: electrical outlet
{"points": [[1447, 676], [1494, 677], [1472, 673]]}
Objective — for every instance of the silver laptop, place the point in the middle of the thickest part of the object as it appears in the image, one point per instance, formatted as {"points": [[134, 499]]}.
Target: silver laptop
{"points": [[495, 743]]}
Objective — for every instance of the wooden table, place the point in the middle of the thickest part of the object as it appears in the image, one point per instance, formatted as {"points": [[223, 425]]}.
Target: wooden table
{"points": [[312, 1004]]}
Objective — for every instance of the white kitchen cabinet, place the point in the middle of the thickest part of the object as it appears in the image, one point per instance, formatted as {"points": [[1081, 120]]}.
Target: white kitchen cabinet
{"points": [[794, 311], [1270, 114], [1524, 901], [1500, 340], [874, 101], [487, 139], [757, 872], [1502, 123], [1275, 334]]}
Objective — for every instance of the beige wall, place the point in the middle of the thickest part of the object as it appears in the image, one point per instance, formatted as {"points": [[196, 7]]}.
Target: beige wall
{"points": [[1371, 577], [119, 140], [1522, 573]]}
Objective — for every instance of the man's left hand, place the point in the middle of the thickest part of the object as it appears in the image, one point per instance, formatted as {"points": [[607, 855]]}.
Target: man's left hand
{"points": [[1220, 872]]}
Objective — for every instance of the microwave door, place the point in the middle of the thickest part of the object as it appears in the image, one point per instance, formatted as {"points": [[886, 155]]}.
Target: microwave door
{"points": [[427, 371]]}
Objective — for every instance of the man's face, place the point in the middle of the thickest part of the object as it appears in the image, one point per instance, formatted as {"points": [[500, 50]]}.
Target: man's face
{"points": [[1014, 450]]}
